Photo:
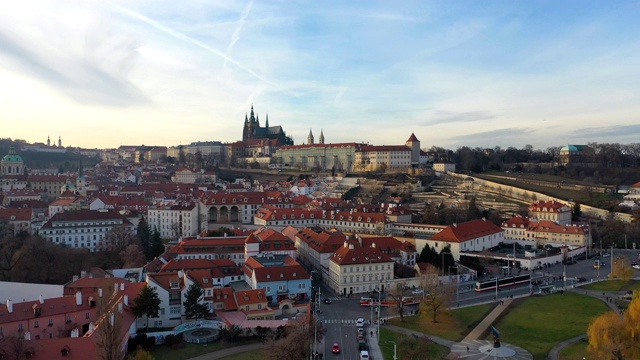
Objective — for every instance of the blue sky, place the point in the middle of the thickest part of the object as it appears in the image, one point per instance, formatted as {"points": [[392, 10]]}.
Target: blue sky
{"points": [[476, 73]]}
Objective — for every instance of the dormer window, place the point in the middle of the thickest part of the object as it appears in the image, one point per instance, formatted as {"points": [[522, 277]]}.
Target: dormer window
{"points": [[175, 285]]}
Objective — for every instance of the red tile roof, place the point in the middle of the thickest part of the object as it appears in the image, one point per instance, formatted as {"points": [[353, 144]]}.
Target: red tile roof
{"points": [[353, 254], [250, 297], [466, 231], [12, 214]]}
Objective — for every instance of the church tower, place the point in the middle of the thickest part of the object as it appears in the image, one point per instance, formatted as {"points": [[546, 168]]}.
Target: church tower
{"points": [[310, 138], [59, 141], [250, 125], [48, 141], [321, 138]]}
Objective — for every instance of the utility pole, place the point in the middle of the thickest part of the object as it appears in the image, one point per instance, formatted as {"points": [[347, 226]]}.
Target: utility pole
{"points": [[611, 265], [496, 287]]}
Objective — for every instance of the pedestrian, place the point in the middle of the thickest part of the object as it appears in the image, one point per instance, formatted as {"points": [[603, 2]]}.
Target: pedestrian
{"points": [[467, 349]]}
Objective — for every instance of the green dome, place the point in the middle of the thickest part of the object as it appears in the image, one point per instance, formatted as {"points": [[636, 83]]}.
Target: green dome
{"points": [[12, 158]]}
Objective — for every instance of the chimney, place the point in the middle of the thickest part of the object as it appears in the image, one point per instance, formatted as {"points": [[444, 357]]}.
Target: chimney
{"points": [[41, 299], [100, 292], [83, 273], [126, 300], [78, 298], [75, 277], [75, 333], [121, 286], [9, 306], [92, 327], [373, 245], [350, 246], [346, 244], [181, 273]]}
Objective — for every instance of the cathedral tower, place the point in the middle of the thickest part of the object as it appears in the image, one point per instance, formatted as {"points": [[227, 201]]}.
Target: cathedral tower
{"points": [[310, 137]]}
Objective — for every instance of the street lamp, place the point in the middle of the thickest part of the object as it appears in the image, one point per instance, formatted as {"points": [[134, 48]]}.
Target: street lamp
{"points": [[457, 283], [395, 347]]}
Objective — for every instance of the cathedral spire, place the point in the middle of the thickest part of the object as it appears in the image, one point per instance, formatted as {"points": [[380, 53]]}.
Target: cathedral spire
{"points": [[257, 120], [48, 141], [310, 137], [267, 121], [246, 118], [321, 138], [252, 117]]}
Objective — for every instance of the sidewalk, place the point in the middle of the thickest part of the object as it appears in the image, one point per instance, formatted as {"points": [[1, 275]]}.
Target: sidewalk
{"points": [[228, 352], [482, 328]]}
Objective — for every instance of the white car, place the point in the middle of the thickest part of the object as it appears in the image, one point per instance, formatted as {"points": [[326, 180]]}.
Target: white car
{"points": [[417, 292], [637, 267], [360, 322]]}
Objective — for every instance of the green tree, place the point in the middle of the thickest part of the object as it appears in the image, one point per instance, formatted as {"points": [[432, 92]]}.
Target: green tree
{"points": [[147, 303], [144, 234], [193, 308], [157, 246], [576, 212], [473, 212]]}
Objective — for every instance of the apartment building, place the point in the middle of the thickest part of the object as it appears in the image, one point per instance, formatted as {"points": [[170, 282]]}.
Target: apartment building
{"points": [[84, 228], [354, 269]]}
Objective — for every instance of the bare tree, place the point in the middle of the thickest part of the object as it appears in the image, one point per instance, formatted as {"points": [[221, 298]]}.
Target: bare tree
{"points": [[396, 293], [437, 296], [15, 347], [293, 343], [117, 239], [109, 330]]}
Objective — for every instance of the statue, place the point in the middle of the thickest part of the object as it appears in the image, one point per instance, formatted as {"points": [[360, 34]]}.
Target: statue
{"points": [[496, 337]]}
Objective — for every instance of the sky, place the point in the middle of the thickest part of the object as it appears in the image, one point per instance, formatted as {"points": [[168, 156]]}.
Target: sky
{"points": [[101, 74]]}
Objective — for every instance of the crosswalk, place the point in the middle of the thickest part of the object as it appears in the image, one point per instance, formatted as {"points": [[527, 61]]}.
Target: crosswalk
{"points": [[340, 321], [335, 298]]}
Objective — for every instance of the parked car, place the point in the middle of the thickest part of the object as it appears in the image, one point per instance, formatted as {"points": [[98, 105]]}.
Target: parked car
{"points": [[417, 292], [581, 279], [335, 348], [627, 296], [360, 322], [360, 337], [636, 266]]}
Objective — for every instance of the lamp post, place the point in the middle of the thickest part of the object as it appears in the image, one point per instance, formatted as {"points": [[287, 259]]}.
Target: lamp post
{"points": [[457, 283], [611, 267], [395, 347], [379, 300]]}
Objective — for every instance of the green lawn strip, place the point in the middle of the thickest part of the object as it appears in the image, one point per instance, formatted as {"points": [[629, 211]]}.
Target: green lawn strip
{"points": [[249, 355], [187, 351], [577, 351], [452, 325], [406, 344], [613, 285], [539, 323]]}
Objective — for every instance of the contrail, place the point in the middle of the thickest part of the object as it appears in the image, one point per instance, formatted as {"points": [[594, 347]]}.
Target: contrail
{"points": [[236, 34], [187, 39]]}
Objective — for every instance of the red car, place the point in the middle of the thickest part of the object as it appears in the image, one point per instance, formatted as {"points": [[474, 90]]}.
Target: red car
{"points": [[335, 349]]}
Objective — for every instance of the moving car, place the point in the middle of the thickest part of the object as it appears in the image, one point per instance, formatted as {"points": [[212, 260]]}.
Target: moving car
{"points": [[362, 345], [360, 322], [335, 349], [636, 266], [326, 301], [364, 355]]}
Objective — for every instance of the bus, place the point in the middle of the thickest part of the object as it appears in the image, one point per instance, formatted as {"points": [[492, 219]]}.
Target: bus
{"points": [[504, 282]]}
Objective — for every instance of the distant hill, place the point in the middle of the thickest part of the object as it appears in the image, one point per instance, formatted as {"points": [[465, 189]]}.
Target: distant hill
{"points": [[68, 161]]}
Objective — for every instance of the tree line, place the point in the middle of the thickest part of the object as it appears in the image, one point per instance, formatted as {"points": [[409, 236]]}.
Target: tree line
{"points": [[30, 258]]}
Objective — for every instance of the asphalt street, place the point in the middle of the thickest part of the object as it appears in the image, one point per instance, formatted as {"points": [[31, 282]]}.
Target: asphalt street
{"points": [[339, 317]]}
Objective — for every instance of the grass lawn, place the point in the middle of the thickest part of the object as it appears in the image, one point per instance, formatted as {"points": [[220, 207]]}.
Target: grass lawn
{"points": [[452, 325], [613, 285], [187, 351], [577, 351], [408, 345], [249, 355], [539, 323]]}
